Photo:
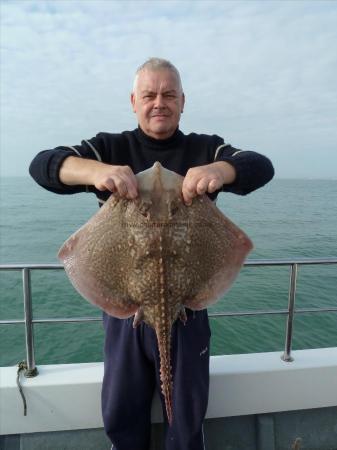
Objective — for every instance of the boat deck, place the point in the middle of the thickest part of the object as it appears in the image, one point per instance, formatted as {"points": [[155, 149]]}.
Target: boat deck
{"points": [[257, 402]]}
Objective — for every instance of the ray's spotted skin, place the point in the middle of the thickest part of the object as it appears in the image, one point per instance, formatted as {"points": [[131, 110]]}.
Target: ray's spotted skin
{"points": [[153, 256]]}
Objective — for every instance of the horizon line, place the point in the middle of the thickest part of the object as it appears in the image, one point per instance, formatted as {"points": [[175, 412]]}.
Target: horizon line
{"points": [[311, 178]]}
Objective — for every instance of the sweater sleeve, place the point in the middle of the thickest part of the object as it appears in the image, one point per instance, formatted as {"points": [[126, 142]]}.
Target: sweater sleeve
{"points": [[253, 170], [46, 165]]}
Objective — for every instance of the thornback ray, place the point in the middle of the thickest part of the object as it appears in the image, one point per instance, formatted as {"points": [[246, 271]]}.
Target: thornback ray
{"points": [[153, 256]]}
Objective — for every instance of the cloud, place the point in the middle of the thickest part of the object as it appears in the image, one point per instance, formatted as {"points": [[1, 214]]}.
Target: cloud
{"points": [[260, 74]]}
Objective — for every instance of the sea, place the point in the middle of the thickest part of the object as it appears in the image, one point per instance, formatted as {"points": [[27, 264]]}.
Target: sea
{"points": [[285, 219]]}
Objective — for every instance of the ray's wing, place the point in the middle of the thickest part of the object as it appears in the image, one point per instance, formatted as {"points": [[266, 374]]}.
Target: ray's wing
{"points": [[217, 251], [95, 260]]}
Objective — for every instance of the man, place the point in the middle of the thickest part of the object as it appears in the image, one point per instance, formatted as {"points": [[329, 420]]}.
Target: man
{"points": [[106, 164]]}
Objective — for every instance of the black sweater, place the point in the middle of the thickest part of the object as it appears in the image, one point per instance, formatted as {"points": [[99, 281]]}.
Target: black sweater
{"points": [[139, 151]]}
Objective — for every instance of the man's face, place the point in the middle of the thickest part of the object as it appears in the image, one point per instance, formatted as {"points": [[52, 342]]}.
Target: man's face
{"points": [[158, 102]]}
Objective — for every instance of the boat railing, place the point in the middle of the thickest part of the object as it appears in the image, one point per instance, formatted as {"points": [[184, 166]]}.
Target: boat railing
{"points": [[29, 321]]}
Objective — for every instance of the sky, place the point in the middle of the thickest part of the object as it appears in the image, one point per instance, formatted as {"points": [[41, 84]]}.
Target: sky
{"points": [[261, 74]]}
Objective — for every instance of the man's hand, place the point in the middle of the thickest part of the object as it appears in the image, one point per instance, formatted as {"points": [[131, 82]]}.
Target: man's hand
{"points": [[117, 179], [209, 178]]}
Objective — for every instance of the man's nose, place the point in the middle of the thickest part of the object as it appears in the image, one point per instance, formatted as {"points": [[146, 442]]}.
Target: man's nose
{"points": [[159, 101]]}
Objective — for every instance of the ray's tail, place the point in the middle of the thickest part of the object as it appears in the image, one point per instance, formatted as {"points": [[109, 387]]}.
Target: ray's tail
{"points": [[164, 346]]}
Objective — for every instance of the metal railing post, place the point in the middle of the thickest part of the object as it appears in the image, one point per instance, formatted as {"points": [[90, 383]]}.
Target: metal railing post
{"points": [[31, 370], [291, 310]]}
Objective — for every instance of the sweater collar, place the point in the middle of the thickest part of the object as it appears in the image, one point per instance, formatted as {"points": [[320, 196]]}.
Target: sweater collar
{"points": [[159, 144]]}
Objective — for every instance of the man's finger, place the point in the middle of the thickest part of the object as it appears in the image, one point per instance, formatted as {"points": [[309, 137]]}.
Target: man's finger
{"points": [[132, 187], [107, 184], [121, 186], [188, 196], [202, 186], [213, 185], [130, 181]]}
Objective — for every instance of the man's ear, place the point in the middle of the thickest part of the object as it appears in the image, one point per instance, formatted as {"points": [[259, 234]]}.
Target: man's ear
{"points": [[133, 101], [183, 103]]}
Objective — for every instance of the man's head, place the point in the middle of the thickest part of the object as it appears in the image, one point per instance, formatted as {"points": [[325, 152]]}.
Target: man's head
{"points": [[157, 98]]}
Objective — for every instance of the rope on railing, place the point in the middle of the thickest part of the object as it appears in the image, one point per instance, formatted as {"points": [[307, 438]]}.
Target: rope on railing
{"points": [[22, 365]]}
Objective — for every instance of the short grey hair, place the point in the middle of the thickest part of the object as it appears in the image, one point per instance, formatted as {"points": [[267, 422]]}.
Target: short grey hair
{"points": [[157, 64]]}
